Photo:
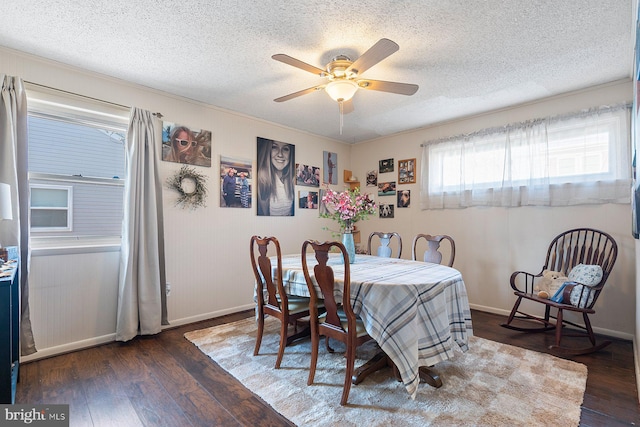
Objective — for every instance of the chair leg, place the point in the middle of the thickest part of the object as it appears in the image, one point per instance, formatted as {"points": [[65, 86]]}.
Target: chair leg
{"points": [[547, 313], [558, 326], [587, 325], [284, 327], [259, 334], [514, 311], [315, 341], [570, 351], [326, 343], [351, 359]]}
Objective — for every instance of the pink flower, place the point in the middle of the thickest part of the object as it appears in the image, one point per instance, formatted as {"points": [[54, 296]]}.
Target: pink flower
{"points": [[348, 207]]}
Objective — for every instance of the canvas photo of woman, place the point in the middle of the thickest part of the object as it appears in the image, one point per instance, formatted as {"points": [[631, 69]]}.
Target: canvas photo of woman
{"points": [[182, 144], [276, 175]]}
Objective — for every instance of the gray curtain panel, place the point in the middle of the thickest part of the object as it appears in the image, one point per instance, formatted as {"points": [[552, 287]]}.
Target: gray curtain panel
{"points": [[142, 305], [13, 171]]}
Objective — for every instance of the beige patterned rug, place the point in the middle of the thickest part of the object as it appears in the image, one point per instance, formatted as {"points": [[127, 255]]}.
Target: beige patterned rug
{"points": [[492, 384]]}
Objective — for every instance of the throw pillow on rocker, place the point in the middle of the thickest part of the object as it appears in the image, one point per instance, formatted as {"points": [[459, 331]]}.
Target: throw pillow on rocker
{"points": [[574, 289]]}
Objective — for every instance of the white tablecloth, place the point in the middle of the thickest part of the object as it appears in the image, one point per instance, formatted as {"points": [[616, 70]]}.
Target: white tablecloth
{"points": [[418, 312]]}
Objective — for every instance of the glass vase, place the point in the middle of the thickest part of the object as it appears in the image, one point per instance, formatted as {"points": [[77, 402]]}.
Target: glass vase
{"points": [[347, 241]]}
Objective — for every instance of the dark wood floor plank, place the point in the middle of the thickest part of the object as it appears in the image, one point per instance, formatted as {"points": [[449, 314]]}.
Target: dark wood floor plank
{"points": [[154, 405], [196, 401], [166, 380], [106, 397], [245, 406]]}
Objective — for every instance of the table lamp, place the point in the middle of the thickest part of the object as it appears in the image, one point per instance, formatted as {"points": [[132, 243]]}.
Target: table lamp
{"points": [[6, 212]]}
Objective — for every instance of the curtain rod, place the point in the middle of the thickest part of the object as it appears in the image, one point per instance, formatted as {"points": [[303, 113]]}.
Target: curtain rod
{"points": [[158, 115], [518, 125]]}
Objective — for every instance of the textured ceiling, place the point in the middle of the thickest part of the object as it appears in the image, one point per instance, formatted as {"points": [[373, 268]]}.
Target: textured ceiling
{"points": [[467, 56]]}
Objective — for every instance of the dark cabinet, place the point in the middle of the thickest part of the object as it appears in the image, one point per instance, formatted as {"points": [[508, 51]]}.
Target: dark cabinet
{"points": [[9, 327]]}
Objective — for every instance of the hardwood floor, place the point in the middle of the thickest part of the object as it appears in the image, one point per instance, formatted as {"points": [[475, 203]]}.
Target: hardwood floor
{"points": [[164, 380]]}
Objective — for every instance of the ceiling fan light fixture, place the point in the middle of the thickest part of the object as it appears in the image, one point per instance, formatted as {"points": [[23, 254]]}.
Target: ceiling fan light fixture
{"points": [[341, 90]]}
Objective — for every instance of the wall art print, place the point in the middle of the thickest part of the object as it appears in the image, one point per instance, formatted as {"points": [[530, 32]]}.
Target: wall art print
{"points": [[407, 171], [236, 182], [307, 175], [387, 188], [322, 206], [404, 198], [184, 144], [275, 178], [386, 210], [372, 178], [330, 165], [385, 166], [308, 199]]}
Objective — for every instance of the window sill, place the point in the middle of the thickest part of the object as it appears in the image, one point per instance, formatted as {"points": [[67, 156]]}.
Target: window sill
{"points": [[77, 245]]}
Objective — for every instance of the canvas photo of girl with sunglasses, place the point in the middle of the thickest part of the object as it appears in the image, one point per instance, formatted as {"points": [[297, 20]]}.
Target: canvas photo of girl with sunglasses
{"points": [[182, 144]]}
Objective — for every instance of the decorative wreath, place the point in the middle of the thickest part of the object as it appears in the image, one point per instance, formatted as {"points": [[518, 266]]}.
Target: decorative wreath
{"points": [[195, 198]]}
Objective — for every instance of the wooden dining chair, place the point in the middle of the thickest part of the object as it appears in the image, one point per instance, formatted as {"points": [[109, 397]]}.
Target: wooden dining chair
{"points": [[567, 250], [384, 250], [288, 309], [432, 253], [339, 322]]}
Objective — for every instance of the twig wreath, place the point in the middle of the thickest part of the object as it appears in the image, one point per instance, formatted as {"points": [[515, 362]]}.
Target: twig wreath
{"points": [[194, 198]]}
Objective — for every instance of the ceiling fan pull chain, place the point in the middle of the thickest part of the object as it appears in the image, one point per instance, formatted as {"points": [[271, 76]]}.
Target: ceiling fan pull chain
{"points": [[341, 104]]}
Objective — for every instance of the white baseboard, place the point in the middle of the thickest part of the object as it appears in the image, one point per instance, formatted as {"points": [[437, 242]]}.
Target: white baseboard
{"points": [[69, 347], [93, 342], [207, 316]]}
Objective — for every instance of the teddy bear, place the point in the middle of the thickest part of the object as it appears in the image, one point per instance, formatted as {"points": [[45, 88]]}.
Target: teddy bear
{"points": [[549, 283]]}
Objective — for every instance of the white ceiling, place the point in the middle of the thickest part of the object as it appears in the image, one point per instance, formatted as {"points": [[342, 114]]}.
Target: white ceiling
{"points": [[467, 56]]}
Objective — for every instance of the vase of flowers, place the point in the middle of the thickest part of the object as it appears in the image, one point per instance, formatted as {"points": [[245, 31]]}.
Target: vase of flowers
{"points": [[347, 208]]}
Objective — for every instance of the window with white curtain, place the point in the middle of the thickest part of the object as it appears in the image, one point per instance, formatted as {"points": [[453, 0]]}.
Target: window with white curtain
{"points": [[580, 158], [76, 170]]}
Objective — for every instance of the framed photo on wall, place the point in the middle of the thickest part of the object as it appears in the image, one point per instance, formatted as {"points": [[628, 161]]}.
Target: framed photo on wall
{"points": [[330, 164], [183, 144], [275, 178], [385, 165], [407, 171]]}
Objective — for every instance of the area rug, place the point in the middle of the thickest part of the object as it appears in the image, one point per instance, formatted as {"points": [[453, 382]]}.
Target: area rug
{"points": [[492, 384]]}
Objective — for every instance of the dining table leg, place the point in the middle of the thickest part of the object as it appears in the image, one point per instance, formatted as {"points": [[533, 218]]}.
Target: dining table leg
{"points": [[381, 360], [430, 377], [298, 334], [378, 361]]}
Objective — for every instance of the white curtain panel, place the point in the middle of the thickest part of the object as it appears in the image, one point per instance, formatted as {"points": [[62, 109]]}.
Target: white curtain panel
{"points": [[142, 307], [13, 171], [580, 158]]}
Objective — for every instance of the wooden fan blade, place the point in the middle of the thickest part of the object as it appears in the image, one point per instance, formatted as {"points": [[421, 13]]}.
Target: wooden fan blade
{"points": [[375, 54], [299, 93], [299, 64], [393, 87]]}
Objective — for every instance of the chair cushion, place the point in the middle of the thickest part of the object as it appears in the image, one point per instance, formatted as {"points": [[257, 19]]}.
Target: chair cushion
{"points": [[360, 330], [589, 275], [298, 304]]}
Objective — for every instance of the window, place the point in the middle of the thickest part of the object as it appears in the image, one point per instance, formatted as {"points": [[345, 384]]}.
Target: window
{"points": [[575, 159], [51, 207], [76, 171]]}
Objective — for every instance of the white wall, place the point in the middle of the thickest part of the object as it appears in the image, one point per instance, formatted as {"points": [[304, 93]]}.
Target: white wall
{"points": [[207, 249], [491, 243]]}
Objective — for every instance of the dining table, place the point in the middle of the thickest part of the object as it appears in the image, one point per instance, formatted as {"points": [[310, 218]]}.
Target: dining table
{"points": [[417, 312]]}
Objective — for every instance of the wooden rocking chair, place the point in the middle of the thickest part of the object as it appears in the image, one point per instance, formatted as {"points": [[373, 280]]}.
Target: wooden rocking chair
{"points": [[578, 246]]}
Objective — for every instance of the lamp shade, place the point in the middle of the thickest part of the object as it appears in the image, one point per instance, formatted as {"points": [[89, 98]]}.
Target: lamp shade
{"points": [[341, 90], [6, 212]]}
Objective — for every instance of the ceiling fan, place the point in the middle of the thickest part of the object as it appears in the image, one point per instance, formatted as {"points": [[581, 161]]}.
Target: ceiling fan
{"points": [[343, 75]]}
